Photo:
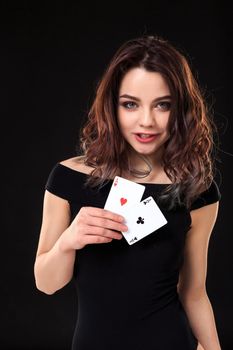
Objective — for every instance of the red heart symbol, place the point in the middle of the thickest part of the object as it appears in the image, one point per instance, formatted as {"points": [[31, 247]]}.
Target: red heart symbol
{"points": [[123, 201]]}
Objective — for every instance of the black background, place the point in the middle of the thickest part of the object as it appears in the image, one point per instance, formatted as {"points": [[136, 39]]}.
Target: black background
{"points": [[52, 55]]}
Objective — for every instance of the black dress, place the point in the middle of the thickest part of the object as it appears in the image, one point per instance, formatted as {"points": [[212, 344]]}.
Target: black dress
{"points": [[127, 295]]}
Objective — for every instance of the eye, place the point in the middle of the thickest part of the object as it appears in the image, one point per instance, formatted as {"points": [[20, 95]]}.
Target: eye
{"points": [[164, 105], [129, 104]]}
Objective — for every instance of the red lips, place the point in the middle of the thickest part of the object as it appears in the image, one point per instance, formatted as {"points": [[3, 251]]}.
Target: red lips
{"points": [[145, 137]]}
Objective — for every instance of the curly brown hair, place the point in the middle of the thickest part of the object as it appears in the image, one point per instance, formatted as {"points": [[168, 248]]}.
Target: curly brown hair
{"points": [[188, 158]]}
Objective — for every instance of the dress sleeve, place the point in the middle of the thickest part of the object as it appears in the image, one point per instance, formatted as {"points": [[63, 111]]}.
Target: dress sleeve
{"points": [[58, 182], [211, 195]]}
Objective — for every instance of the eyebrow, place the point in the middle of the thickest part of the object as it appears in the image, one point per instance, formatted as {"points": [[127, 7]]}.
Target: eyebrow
{"points": [[138, 99]]}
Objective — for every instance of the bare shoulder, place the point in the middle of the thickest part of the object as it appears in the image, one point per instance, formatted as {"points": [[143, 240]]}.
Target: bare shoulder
{"points": [[205, 215], [77, 164]]}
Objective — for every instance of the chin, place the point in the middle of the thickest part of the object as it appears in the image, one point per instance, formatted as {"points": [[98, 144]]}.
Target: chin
{"points": [[147, 152]]}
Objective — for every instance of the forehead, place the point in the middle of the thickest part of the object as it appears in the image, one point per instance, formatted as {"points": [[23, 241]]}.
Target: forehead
{"points": [[140, 82]]}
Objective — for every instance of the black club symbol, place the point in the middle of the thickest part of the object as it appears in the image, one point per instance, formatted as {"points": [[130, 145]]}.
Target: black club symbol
{"points": [[140, 220]]}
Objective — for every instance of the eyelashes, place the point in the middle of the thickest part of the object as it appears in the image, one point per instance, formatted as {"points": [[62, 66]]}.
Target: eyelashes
{"points": [[127, 104], [165, 105], [162, 105]]}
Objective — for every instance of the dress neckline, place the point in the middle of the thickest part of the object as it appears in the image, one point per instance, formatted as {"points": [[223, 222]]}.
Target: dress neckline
{"points": [[110, 180]]}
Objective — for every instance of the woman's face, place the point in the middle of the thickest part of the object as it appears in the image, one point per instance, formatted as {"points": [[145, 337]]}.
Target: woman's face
{"points": [[143, 110]]}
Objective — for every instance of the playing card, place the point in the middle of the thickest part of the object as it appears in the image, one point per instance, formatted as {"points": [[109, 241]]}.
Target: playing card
{"points": [[142, 219], [123, 194]]}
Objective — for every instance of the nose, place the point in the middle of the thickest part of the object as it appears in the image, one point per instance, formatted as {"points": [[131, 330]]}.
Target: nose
{"points": [[146, 119]]}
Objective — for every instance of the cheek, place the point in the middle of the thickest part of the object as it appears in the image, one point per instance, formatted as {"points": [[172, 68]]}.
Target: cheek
{"points": [[163, 121], [166, 129], [119, 120], [121, 124], [123, 120]]}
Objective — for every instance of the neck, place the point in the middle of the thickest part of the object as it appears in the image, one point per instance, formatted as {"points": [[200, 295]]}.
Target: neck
{"points": [[156, 175], [140, 161]]}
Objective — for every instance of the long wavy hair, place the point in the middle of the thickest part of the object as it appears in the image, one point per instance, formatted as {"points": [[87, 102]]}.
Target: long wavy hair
{"points": [[188, 158]]}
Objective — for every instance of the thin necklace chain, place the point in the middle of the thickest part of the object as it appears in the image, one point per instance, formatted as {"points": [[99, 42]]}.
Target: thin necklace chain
{"points": [[138, 173]]}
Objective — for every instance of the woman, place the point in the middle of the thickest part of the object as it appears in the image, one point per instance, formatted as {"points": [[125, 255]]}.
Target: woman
{"points": [[149, 124]]}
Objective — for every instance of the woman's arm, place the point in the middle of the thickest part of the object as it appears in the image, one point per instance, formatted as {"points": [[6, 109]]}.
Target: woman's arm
{"points": [[192, 280], [53, 266], [59, 239]]}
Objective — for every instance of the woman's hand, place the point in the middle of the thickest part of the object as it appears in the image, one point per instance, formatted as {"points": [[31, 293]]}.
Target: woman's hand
{"points": [[92, 225]]}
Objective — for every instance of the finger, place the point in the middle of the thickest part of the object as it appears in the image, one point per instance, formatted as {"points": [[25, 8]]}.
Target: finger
{"points": [[102, 232], [99, 212], [92, 239], [106, 223]]}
